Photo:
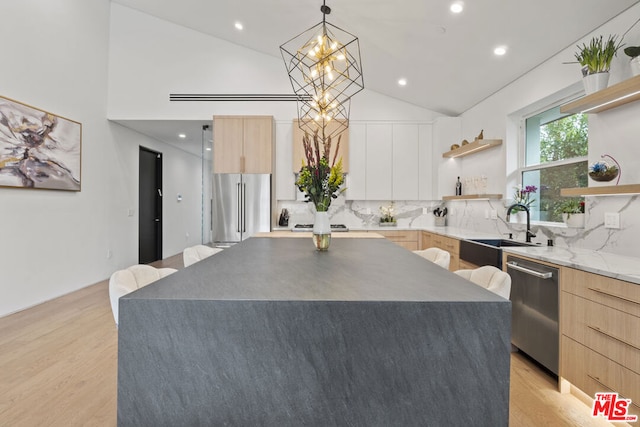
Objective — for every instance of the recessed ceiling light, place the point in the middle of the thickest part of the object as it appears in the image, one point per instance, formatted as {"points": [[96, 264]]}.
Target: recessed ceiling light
{"points": [[456, 7], [500, 50], [182, 135], [402, 82], [238, 25]]}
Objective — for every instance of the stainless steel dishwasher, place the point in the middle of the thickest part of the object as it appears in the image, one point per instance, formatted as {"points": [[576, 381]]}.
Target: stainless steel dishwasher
{"points": [[534, 310]]}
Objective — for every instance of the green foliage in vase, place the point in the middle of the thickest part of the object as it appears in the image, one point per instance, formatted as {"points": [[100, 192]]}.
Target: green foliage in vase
{"points": [[319, 179]]}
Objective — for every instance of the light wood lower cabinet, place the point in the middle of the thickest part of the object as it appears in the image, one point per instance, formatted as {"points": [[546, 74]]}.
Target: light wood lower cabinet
{"points": [[465, 265], [408, 239], [599, 342], [449, 244]]}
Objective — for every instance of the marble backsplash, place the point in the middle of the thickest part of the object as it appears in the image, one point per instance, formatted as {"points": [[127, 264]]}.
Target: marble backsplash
{"points": [[476, 215]]}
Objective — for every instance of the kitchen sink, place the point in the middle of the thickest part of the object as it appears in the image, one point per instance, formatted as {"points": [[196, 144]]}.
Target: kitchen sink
{"points": [[487, 251], [502, 242]]}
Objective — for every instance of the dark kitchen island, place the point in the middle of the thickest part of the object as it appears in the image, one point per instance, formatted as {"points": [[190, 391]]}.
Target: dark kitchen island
{"points": [[272, 333]]}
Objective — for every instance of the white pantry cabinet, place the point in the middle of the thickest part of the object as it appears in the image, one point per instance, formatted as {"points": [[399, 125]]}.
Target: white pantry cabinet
{"points": [[405, 162], [357, 176]]}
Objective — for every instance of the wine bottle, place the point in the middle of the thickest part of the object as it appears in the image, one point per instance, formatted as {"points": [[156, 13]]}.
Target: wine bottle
{"points": [[458, 187]]}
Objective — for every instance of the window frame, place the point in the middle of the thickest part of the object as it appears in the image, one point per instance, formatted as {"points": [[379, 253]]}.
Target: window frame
{"points": [[522, 146]]}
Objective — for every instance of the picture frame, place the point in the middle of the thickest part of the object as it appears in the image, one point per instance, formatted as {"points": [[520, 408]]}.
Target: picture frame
{"points": [[38, 149]]}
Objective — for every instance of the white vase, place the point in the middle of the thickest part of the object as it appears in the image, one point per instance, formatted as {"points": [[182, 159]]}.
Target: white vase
{"points": [[635, 66], [321, 231], [595, 82], [518, 217], [575, 220]]}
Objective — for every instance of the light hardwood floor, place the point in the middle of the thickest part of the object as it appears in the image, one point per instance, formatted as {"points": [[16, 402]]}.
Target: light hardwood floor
{"points": [[58, 367]]}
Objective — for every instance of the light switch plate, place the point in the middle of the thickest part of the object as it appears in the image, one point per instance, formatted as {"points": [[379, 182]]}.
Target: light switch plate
{"points": [[612, 220], [494, 214]]}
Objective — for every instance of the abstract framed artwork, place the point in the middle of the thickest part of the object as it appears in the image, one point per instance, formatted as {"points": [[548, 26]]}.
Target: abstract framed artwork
{"points": [[38, 149]]}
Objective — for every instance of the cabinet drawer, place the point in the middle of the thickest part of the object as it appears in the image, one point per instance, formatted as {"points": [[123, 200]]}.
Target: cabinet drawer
{"points": [[400, 236], [448, 244], [613, 293], [412, 246], [425, 240], [454, 263], [608, 331], [465, 265], [592, 373]]}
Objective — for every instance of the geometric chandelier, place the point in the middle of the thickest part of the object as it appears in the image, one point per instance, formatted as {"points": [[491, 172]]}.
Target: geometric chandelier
{"points": [[325, 70]]}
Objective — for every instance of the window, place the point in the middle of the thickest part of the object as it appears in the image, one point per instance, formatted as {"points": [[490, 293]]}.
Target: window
{"points": [[556, 148]]}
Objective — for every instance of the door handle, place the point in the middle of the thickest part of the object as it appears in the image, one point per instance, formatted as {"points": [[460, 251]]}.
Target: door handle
{"points": [[239, 214], [157, 219], [244, 207], [159, 192], [515, 266]]}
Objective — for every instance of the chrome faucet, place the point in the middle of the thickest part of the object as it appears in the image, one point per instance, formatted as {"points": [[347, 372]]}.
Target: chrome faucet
{"points": [[526, 209]]}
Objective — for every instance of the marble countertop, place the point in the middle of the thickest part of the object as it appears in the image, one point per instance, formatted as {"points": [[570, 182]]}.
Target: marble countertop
{"points": [[604, 263]]}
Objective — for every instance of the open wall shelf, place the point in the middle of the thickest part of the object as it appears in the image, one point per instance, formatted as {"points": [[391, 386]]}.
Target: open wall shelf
{"points": [[609, 190], [611, 97], [473, 197], [473, 147]]}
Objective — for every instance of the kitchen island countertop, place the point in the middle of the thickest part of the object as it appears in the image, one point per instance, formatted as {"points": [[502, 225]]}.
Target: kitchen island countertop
{"points": [[271, 332]]}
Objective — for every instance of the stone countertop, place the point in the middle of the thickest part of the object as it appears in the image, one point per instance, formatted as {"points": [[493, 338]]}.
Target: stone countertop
{"points": [[352, 270], [606, 264]]}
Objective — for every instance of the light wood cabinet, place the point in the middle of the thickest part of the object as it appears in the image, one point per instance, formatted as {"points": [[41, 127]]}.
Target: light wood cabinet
{"points": [[408, 239], [466, 265], [243, 144], [599, 323], [449, 244], [298, 150]]}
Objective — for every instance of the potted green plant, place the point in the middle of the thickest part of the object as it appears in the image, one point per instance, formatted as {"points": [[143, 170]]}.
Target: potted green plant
{"points": [[595, 59], [633, 52], [573, 213]]}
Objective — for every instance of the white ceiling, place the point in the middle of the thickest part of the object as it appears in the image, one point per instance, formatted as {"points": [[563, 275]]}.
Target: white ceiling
{"points": [[446, 58]]}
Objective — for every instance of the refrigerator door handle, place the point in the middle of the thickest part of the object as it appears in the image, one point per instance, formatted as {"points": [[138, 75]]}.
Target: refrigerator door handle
{"points": [[244, 205], [239, 198]]}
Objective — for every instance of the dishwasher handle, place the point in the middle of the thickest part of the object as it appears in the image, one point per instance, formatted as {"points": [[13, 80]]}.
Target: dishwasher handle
{"points": [[541, 275]]}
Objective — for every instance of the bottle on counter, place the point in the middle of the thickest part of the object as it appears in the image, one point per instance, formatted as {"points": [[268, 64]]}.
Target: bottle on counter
{"points": [[458, 187]]}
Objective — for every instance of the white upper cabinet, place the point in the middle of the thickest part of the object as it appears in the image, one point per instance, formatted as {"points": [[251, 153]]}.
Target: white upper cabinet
{"points": [[379, 174], [405, 164], [426, 176], [357, 176]]}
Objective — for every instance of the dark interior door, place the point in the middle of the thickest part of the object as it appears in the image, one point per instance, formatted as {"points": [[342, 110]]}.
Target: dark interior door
{"points": [[150, 206]]}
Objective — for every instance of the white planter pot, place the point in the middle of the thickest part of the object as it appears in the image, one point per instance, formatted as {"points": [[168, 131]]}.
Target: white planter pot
{"points": [[595, 82], [635, 66], [575, 220], [519, 217]]}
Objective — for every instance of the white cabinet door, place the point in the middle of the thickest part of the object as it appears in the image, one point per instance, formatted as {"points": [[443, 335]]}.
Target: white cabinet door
{"points": [[379, 162], [426, 177], [405, 163], [284, 179], [357, 176]]}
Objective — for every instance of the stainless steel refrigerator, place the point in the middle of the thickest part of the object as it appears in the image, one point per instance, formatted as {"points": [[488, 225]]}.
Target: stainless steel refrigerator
{"points": [[241, 206]]}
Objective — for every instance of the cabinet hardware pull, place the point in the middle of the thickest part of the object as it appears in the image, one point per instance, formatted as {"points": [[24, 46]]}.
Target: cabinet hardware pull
{"points": [[515, 266], [595, 328], [600, 291], [596, 379]]}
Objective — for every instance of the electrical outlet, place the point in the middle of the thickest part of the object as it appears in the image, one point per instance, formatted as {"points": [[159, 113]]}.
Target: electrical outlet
{"points": [[109, 254], [486, 214], [129, 212], [612, 220], [494, 214]]}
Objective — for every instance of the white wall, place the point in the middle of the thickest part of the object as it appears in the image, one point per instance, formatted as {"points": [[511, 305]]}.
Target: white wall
{"points": [[52, 242]]}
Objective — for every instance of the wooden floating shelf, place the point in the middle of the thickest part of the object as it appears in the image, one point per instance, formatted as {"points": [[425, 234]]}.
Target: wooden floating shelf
{"points": [[609, 190], [473, 147], [473, 197], [611, 97]]}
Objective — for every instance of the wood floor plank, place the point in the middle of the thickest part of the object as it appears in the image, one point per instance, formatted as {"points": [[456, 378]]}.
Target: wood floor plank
{"points": [[58, 364]]}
